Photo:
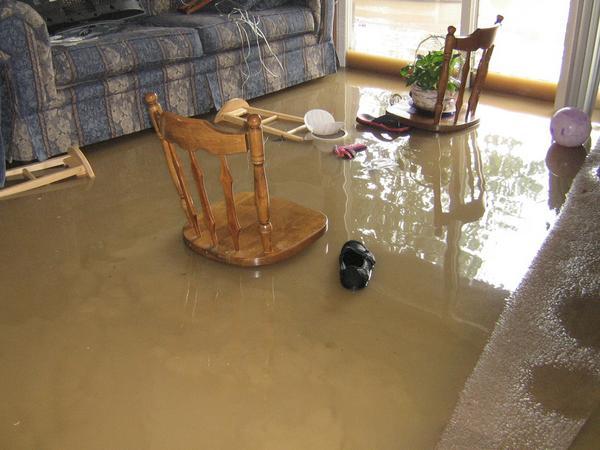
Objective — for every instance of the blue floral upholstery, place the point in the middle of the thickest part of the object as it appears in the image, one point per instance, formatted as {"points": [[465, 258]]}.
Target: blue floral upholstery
{"points": [[25, 54], [133, 48], [52, 97], [219, 32]]}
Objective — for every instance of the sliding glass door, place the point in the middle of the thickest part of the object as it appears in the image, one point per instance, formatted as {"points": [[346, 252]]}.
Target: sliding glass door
{"points": [[394, 28], [529, 46]]}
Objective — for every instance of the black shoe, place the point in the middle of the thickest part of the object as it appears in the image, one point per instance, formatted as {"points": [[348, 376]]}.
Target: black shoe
{"points": [[356, 265]]}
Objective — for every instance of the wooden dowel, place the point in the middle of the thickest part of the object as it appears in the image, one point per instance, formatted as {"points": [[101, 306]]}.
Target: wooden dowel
{"points": [[280, 116], [283, 134], [49, 163], [298, 129], [270, 119]]}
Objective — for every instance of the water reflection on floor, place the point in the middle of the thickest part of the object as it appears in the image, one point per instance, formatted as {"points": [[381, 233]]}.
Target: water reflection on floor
{"points": [[107, 321], [495, 176]]}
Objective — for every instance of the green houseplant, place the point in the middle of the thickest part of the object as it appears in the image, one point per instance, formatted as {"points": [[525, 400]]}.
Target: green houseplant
{"points": [[423, 76]]}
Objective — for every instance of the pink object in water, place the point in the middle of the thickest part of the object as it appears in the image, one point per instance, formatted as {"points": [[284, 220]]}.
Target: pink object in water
{"points": [[348, 151]]}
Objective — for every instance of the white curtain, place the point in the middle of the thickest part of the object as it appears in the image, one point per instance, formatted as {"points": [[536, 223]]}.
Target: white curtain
{"points": [[580, 73]]}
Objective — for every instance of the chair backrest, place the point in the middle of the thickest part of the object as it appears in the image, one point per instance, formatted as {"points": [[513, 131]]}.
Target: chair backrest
{"points": [[196, 134], [480, 39]]}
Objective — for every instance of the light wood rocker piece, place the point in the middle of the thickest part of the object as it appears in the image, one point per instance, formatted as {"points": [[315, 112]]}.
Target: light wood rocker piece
{"points": [[480, 39], [236, 111], [247, 228], [35, 175]]}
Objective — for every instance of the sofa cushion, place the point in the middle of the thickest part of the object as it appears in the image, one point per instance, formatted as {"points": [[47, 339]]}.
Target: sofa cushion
{"points": [[219, 32], [130, 49]]}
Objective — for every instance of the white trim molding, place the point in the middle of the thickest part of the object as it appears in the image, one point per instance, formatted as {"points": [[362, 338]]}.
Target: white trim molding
{"points": [[469, 13], [580, 73], [343, 22]]}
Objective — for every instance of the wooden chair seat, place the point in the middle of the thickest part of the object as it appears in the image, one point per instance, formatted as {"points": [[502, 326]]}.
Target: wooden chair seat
{"points": [[294, 228], [447, 123], [246, 228]]}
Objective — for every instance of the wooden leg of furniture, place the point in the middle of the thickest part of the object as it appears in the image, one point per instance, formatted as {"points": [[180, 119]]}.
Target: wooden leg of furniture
{"points": [[73, 164]]}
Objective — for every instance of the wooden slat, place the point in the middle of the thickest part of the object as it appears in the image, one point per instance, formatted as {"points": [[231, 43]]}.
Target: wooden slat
{"points": [[207, 214], [196, 134], [482, 71], [298, 129], [463, 85], [444, 75], [232, 219], [481, 38], [270, 119]]}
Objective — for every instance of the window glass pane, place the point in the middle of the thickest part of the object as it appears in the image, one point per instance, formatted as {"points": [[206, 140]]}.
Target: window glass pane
{"points": [[531, 41], [395, 27]]}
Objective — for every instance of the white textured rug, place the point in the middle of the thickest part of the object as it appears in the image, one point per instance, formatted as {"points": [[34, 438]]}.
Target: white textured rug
{"points": [[538, 379]]}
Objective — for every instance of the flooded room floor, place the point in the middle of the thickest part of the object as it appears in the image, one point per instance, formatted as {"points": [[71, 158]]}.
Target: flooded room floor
{"points": [[114, 335]]}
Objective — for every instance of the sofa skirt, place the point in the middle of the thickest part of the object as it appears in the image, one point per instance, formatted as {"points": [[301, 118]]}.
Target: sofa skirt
{"points": [[101, 110]]}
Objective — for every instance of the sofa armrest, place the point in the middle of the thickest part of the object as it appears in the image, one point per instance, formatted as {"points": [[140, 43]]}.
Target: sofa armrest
{"points": [[323, 11], [26, 56]]}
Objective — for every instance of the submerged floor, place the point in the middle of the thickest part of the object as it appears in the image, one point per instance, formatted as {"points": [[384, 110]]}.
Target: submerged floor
{"points": [[114, 335]]}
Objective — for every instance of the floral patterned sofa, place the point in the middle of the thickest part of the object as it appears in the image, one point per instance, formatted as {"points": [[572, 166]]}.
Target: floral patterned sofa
{"points": [[54, 95]]}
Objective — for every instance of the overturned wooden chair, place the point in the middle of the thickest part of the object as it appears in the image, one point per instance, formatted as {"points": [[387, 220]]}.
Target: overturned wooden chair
{"points": [[464, 117], [246, 228]]}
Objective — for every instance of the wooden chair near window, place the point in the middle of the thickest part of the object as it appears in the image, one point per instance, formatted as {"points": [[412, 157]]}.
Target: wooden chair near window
{"points": [[481, 39], [246, 228]]}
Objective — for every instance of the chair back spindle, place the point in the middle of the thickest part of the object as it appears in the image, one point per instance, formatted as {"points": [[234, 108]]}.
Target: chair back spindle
{"points": [[480, 39], [232, 218], [464, 76], [173, 165], [209, 218]]}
